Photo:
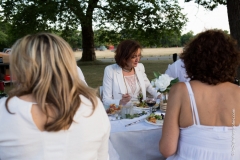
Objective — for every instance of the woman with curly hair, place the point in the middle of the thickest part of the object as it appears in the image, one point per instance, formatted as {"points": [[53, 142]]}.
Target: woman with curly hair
{"points": [[203, 116], [51, 113]]}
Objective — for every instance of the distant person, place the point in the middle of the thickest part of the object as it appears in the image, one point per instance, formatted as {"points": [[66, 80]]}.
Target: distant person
{"points": [[126, 79], [177, 70], [50, 114], [202, 120]]}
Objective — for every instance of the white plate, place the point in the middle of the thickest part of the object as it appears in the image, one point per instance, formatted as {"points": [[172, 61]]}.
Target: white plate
{"points": [[146, 108], [156, 124]]}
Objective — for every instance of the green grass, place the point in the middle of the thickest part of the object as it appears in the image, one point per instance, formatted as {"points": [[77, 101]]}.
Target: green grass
{"points": [[93, 71]]}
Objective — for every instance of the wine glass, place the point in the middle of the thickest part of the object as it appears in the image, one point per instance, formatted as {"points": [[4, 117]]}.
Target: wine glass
{"points": [[151, 101]]}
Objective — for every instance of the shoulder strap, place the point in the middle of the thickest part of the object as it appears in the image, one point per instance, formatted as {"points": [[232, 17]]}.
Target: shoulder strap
{"points": [[193, 104]]}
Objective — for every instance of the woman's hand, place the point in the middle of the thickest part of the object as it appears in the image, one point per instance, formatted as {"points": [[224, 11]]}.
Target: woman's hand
{"points": [[125, 99]]}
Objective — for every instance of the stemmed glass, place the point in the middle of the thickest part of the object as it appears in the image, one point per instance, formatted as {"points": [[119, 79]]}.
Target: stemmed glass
{"points": [[151, 101]]}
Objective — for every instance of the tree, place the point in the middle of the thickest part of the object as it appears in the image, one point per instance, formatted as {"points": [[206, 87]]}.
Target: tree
{"points": [[73, 37], [233, 9], [4, 26], [29, 16], [186, 37]]}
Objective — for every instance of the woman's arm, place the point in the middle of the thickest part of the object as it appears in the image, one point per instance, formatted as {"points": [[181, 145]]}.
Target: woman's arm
{"points": [[170, 132], [108, 87], [148, 85]]}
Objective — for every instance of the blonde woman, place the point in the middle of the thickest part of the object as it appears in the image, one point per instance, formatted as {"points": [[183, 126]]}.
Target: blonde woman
{"points": [[51, 113]]}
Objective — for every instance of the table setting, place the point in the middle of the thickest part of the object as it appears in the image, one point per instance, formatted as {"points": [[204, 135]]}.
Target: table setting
{"points": [[137, 136], [130, 135]]}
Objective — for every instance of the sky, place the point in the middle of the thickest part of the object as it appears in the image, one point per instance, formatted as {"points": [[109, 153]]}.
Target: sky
{"points": [[200, 19]]}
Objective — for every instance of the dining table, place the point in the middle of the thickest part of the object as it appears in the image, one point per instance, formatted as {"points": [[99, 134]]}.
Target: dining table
{"points": [[134, 139]]}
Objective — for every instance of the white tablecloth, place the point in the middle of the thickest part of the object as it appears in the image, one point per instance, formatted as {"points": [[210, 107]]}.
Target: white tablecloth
{"points": [[136, 142]]}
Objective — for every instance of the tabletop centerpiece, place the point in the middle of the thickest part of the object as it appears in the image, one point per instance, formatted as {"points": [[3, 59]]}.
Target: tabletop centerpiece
{"points": [[162, 83]]}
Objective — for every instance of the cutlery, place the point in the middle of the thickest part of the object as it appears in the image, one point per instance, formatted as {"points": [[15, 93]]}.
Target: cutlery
{"points": [[133, 122]]}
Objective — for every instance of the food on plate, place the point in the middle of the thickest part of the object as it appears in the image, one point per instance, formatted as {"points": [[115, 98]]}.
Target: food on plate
{"points": [[142, 104], [154, 117], [128, 116], [113, 109]]}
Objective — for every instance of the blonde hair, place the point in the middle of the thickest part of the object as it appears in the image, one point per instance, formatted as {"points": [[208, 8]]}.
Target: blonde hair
{"points": [[44, 65]]}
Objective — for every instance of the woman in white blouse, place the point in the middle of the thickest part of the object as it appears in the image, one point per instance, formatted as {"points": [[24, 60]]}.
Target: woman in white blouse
{"points": [[126, 79], [51, 113]]}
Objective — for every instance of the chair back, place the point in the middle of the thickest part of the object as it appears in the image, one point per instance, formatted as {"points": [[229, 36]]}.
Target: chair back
{"points": [[100, 92]]}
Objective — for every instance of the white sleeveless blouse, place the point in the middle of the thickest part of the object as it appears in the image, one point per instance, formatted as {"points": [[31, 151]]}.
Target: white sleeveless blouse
{"points": [[199, 142], [20, 139]]}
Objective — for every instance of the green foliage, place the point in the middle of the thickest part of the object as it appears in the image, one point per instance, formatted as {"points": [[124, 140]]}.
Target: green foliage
{"points": [[174, 81], [210, 4], [186, 37], [73, 37], [156, 74], [148, 38], [132, 19], [4, 40]]}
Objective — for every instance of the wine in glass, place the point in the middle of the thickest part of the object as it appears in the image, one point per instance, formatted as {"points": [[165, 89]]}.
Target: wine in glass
{"points": [[151, 101]]}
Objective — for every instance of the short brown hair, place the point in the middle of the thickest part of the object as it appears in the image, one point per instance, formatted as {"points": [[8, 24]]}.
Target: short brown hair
{"points": [[211, 57], [125, 50]]}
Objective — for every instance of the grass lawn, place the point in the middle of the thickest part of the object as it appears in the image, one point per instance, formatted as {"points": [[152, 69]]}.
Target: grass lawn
{"points": [[93, 71]]}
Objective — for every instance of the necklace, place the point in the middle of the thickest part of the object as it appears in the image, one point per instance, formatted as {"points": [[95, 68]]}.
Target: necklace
{"points": [[126, 70]]}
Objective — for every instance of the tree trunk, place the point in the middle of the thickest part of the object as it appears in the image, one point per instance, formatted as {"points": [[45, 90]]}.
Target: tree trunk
{"points": [[233, 7], [88, 43]]}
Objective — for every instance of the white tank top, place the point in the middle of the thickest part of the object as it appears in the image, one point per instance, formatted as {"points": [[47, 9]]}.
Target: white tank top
{"points": [[20, 139], [199, 142]]}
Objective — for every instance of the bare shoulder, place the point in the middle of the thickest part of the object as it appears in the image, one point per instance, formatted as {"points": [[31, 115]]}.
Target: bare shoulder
{"points": [[178, 93], [180, 86]]}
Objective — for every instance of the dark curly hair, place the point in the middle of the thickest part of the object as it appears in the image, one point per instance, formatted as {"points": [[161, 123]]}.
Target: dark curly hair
{"points": [[211, 57], [125, 50]]}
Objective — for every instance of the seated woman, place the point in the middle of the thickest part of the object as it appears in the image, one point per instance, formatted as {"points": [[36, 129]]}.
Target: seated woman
{"points": [[126, 79], [203, 116], [51, 113]]}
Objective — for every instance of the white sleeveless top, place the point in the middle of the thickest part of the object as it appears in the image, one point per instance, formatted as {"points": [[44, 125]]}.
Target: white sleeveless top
{"points": [[20, 139], [199, 142]]}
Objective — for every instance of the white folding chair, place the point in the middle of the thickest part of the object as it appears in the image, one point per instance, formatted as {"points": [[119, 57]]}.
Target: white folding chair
{"points": [[101, 92]]}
